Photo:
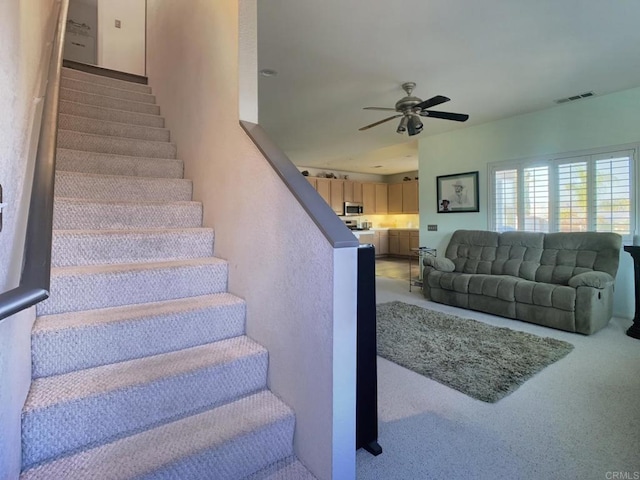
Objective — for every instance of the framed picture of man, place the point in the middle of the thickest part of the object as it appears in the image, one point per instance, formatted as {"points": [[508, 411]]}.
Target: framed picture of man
{"points": [[458, 193]]}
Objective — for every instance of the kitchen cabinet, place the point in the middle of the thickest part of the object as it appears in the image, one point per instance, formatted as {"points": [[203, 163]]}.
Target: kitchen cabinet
{"points": [[381, 197], [382, 242], [337, 196], [323, 187], [357, 192], [402, 241], [403, 197], [347, 188], [369, 198], [395, 198], [312, 181], [410, 192]]}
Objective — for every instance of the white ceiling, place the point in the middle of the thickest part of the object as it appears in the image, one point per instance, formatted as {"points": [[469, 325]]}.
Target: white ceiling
{"points": [[493, 58]]}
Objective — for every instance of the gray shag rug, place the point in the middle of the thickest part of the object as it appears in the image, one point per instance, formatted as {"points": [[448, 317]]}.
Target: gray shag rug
{"points": [[479, 360]]}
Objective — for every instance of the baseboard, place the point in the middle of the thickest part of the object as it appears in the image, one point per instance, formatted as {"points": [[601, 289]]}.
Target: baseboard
{"points": [[105, 72]]}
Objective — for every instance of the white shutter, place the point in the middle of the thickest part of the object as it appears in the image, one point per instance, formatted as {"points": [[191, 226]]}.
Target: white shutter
{"points": [[572, 197], [535, 193], [506, 200], [612, 205]]}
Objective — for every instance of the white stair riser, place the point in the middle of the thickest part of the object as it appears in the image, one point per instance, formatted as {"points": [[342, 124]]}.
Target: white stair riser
{"points": [[108, 102], [110, 289], [97, 420], [127, 189], [115, 145], [62, 351], [73, 248], [237, 459], [110, 115], [101, 80], [113, 129], [108, 164], [70, 215], [106, 91]]}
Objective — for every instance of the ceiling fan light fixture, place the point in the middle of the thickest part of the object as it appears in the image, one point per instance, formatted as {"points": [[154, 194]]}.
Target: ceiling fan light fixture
{"points": [[414, 125], [402, 126]]}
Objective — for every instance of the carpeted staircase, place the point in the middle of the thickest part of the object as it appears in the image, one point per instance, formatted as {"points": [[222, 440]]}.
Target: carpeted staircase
{"points": [[141, 368]]}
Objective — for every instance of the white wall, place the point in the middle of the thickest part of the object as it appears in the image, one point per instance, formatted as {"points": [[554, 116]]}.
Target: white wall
{"points": [[603, 121], [123, 48], [278, 259], [25, 26]]}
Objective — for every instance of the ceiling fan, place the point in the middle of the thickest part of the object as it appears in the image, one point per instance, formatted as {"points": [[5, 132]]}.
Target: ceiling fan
{"points": [[412, 108]]}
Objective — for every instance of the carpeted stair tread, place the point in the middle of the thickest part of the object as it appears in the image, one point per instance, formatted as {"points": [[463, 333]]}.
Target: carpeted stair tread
{"points": [[112, 187], [95, 126], [72, 341], [106, 90], [286, 469], [98, 247], [227, 442], [80, 214], [97, 405], [110, 114], [116, 145], [102, 80], [110, 164], [108, 102], [126, 284]]}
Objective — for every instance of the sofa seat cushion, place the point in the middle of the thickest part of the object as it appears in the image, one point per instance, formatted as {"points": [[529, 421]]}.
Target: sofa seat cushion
{"points": [[495, 286], [453, 281], [546, 295]]}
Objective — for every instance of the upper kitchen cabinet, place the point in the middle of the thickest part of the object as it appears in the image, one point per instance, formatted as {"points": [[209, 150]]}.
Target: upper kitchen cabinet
{"points": [[403, 197], [323, 187], [374, 198], [337, 196]]}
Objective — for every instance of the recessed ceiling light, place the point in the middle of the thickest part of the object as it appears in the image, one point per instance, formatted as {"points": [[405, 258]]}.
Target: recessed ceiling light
{"points": [[267, 72]]}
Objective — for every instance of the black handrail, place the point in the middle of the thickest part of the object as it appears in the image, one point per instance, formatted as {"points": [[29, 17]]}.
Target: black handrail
{"points": [[334, 230], [36, 270]]}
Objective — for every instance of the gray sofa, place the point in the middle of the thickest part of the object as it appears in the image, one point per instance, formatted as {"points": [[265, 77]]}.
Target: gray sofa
{"points": [[560, 280]]}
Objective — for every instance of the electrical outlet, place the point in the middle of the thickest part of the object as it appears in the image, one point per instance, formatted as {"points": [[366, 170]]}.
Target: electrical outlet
{"points": [[432, 228], [118, 24]]}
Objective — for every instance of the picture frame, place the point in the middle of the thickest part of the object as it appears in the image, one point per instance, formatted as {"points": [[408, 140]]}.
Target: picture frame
{"points": [[458, 193]]}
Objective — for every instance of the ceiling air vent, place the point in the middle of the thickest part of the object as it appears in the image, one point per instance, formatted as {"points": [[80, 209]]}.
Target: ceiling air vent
{"points": [[575, 97]]}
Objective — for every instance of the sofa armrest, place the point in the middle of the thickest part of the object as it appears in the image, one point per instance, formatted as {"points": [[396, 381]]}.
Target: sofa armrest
{"points": [[591, 279], [439, 263]]}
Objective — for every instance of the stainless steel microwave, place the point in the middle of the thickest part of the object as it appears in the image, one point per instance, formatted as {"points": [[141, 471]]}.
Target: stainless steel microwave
{"points": [[352, 209]]}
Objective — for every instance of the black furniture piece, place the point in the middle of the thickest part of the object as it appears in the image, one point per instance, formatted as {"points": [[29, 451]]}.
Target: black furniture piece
{"points": [[366, 369], [634, 251]]}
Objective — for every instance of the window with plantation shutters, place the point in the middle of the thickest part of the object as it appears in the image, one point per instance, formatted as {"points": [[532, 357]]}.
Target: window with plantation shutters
{"points": [[589, 192]]}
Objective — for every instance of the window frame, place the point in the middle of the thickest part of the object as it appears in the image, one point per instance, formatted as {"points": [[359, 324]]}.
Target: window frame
{"points": [[553, 162]]}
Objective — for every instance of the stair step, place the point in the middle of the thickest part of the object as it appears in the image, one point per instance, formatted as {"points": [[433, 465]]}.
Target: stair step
{"points": [[115, 145], [103, 286], [91, 407], [113, 187], [228, 442], [114, 129], [110, 114], [99, 247], [106, 90], [108, 102], [102, 80], [78, 214], [286, 469], [109, 164], [73, 341]]}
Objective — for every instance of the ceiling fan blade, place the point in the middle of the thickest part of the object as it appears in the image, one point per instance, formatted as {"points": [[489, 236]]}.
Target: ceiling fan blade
{"points": [[456, 117], [379, 122], [431, 102], [386, 109]]}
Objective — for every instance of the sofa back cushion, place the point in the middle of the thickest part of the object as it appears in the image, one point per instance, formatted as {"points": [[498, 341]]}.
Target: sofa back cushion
{"points": [[518, 254], [571, 253], [473, 251]]}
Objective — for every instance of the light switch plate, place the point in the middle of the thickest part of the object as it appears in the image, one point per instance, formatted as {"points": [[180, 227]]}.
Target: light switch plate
{"points": [[432, 228], [118, 24]]}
